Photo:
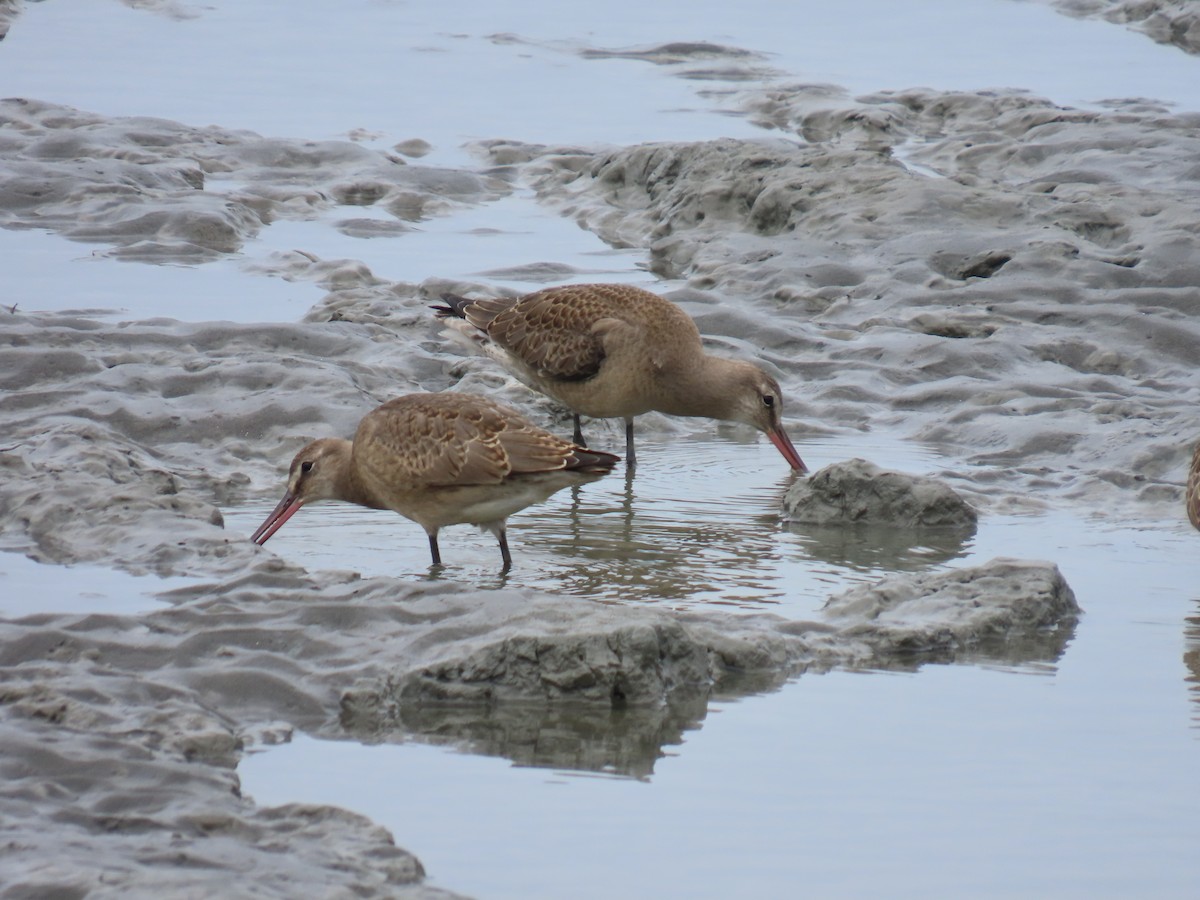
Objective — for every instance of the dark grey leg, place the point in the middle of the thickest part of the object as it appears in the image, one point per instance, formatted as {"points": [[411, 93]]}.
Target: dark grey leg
{"points": [[502, 535], [433, 548], [630, 456], [578, 432]]}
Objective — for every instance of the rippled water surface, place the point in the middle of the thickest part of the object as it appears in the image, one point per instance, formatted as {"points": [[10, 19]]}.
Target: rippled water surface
{"points": [[697, 524]]}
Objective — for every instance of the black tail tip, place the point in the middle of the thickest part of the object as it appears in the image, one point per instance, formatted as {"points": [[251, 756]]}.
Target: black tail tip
{"points": [[456, 307], [595, 460]]}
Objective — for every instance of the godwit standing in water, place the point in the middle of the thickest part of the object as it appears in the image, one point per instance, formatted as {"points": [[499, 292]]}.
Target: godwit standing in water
{"points": [[1193, 489], [439, 459], [614, 350]]}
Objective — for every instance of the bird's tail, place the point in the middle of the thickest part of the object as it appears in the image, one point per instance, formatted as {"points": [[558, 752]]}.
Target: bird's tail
{"points": [[592, 461], [456, 307]]}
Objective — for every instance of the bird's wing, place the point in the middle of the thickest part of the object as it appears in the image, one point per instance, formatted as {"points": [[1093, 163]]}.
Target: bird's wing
{"points": [[531, 449], [550, 334], [428, 440]]}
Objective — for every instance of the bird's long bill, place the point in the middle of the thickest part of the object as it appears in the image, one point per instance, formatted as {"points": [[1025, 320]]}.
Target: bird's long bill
{"points": [[783, 444], [281, 513]]}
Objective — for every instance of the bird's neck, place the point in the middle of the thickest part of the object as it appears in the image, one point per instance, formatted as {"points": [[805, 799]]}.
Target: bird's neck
{"points": [[348, 484], [706, 391]]}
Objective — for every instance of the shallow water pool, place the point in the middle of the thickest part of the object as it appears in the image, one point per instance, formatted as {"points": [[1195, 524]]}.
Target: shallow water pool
{"points": [[29, 588]]}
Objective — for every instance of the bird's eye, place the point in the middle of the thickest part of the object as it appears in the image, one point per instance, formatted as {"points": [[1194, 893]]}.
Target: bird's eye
{"points": [[306, 466], [768, 401]]}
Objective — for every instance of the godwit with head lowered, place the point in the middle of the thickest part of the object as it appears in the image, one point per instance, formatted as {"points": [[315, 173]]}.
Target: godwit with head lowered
{"points": [[614, 350], [439, 459]]}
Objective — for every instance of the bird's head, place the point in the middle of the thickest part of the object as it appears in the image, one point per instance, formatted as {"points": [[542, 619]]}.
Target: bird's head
{"points": [[758, 401], [315, 474]]}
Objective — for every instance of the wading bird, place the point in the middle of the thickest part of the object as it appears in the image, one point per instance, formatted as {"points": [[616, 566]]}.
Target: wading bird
{"points": [[615, 350], [439, 459]]}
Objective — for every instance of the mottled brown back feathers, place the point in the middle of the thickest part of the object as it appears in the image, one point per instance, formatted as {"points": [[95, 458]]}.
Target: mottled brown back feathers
{"points": [[559, 332], [458, 439]]}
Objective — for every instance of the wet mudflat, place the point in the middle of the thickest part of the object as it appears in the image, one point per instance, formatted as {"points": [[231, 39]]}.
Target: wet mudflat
{"points": [[974, 266]]}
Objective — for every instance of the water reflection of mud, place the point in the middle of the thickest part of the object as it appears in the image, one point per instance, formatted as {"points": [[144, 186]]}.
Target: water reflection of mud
{"points": [[1032, 651], [625, 741], [583, 738], [878, 548]]}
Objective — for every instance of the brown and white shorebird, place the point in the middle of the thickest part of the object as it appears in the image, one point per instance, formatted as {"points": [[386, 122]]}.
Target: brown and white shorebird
{"points": [[615, 350], [439, 459], [1193, 489]]}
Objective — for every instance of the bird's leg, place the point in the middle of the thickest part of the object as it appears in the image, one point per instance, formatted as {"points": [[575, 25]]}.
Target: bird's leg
{"points": [[578, 431], [630, 456], [502, 536], [433, 548]]}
